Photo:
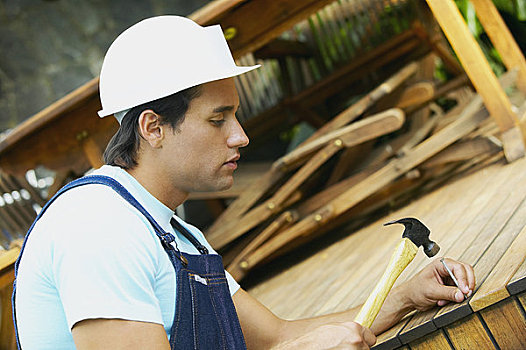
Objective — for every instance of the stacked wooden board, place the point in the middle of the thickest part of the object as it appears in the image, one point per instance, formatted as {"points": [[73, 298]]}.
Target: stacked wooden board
{"points": [[359, 162]]}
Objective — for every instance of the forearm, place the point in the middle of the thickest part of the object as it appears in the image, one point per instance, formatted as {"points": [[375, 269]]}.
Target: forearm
{"points": [[295, 328], [395, 307]]}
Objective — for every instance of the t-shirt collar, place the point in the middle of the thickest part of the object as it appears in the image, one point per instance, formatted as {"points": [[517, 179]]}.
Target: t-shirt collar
{"points": [[160, 212]]}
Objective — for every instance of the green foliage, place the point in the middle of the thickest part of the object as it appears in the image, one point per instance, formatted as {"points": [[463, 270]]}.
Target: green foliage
{"points": [[514, 10]]}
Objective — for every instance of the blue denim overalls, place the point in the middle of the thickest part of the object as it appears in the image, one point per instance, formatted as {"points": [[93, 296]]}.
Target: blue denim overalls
{"points": [[205, 316]]}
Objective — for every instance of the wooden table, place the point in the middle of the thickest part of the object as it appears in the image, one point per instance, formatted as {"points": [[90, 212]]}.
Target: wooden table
{"points": [[479, 219]]}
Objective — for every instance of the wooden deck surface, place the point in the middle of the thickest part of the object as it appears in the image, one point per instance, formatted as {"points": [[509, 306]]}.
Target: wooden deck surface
{"points": [[474, 219]]}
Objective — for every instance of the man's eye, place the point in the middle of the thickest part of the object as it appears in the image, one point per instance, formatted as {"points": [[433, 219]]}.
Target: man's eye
{"points": [[218, 122]]}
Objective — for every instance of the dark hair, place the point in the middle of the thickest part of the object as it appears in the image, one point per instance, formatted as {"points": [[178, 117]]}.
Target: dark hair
{"points": [[123, 146]]}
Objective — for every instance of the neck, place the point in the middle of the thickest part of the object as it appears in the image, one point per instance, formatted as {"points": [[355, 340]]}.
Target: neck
{"points": [[153, 183]]}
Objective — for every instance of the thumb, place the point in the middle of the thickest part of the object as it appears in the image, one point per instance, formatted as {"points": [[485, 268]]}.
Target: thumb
{"points": [[448, 293]]}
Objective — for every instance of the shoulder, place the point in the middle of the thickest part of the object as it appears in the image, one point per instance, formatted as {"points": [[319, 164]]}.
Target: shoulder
{"points": [[94, 218]]}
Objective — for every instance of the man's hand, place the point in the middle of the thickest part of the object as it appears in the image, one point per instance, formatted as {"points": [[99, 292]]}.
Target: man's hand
{"points": [[433, 286], [340, 335], [429, 287]]}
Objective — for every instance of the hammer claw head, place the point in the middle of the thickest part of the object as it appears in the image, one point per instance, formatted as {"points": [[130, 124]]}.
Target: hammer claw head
{"points": [[418, 233]]}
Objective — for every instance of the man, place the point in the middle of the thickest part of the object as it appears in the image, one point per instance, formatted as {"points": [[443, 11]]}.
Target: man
{"points": [[107, 265]]}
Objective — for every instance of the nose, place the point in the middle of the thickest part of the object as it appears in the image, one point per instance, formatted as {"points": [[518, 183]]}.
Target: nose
{"points": [[237, 137]]}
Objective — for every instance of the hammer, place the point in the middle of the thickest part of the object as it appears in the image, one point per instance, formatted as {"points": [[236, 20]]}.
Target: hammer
{"points": [[415, 234]]}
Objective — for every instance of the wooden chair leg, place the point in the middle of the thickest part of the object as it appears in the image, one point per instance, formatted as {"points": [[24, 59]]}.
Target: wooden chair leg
{"points": [[502, 39], [480, 74]]}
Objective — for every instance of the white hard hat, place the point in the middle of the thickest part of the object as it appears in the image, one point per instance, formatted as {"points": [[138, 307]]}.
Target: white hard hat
{"points": [[160, 56]]}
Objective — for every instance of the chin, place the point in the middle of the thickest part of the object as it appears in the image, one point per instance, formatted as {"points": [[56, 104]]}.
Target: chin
{"points": [[219, 186]]}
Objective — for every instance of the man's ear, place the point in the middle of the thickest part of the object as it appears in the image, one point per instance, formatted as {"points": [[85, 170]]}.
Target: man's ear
{"points": [[150, 128]]}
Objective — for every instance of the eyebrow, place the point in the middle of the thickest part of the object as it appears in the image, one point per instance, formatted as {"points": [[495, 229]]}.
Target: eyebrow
{"points": [[221, 109]]}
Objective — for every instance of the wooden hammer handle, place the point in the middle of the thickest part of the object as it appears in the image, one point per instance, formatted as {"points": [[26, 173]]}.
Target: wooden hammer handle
{"points": [[402, 256]]}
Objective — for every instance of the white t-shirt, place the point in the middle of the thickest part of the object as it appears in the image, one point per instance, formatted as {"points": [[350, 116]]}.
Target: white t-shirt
{"points": [[93, 255]]}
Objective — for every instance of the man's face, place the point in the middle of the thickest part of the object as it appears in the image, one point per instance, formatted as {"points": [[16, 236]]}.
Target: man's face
{"points": [[201, 154]]}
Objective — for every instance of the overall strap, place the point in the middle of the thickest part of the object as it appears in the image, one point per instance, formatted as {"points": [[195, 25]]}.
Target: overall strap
{"points": [[165, 237], [189, 236]]}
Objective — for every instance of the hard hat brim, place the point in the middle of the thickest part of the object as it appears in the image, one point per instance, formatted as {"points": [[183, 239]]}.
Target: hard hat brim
{"points": [[235, 72]]}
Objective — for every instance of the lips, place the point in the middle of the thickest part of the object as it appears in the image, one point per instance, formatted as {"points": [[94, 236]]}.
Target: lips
{"points": [[232, 162], [234, 158]]}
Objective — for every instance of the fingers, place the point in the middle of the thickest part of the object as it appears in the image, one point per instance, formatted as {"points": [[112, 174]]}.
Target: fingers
{"points": [[444, 294], [369, 337], [462, 272], [359, 337]]}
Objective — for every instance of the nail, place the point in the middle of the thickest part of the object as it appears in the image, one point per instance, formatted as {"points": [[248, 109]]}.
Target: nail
{"points": [[453, 277]]}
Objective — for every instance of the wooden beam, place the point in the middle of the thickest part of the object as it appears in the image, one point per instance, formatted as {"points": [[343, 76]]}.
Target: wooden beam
{"points": [[502, 39], [479, 72], [245, 31]]}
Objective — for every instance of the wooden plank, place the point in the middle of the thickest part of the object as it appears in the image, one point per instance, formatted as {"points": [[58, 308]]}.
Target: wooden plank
{"points": [[507, 324], [522, 299], [494, 287], [468, 333], [351, 135], [418, 326], [501, 229], [436, 341], [7, 329], [501, 38], [416, 94], [389, 339], [461, 151], [517, 283], [477, 68]]}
